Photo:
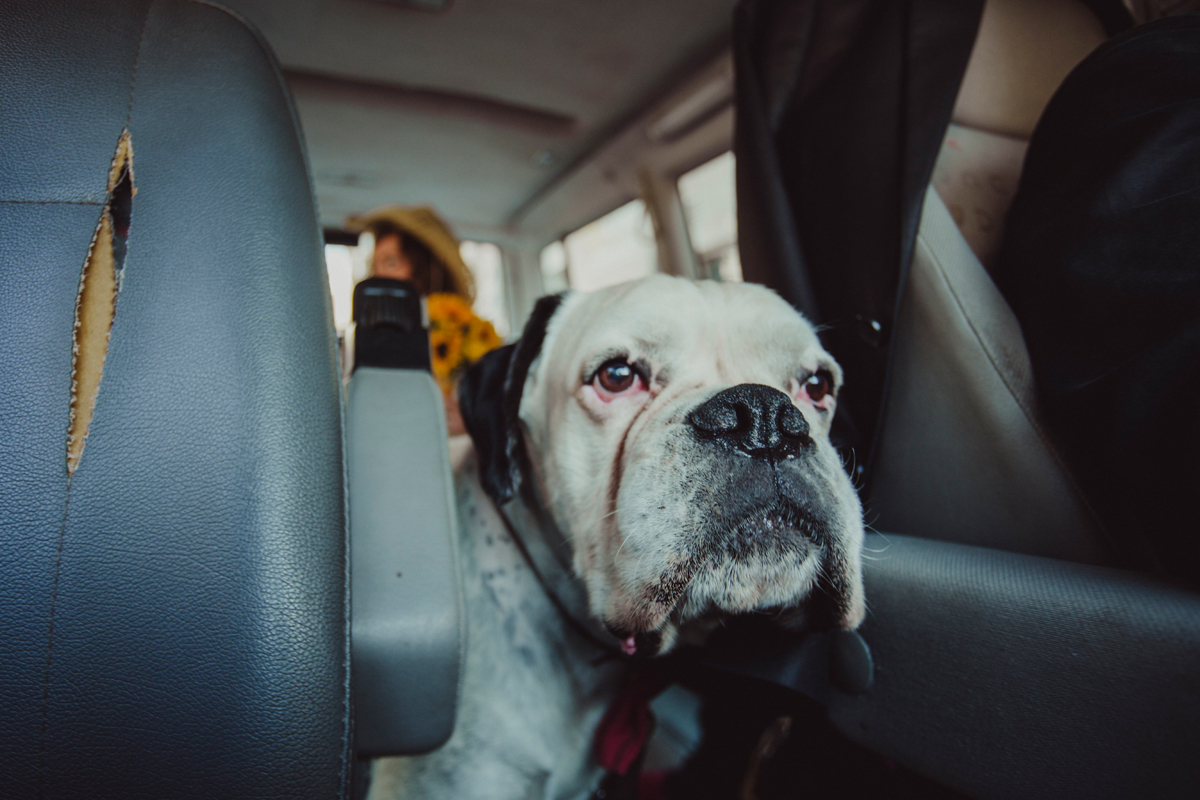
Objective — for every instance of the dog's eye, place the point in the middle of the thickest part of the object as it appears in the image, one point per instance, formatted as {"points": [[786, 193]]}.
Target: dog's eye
{"points": [[616, 376], [819, 385]]}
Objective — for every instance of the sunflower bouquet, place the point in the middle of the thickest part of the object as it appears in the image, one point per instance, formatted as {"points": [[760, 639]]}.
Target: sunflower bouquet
{"points": [[457, 338]]}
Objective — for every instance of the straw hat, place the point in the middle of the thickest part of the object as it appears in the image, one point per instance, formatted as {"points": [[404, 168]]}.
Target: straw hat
{"points": [[423, 224]]}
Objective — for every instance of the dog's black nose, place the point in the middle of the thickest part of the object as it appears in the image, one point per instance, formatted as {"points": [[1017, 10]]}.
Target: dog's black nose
{"points": [[755, 419]]}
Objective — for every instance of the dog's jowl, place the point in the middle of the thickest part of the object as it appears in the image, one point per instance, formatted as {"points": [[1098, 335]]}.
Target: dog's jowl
{"points": [[648, 459]]}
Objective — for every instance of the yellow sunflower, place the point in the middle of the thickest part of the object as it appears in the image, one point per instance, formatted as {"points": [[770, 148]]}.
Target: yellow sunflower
{"points": [[457, 337], [448, 310], [446, 351], [480, 340]]}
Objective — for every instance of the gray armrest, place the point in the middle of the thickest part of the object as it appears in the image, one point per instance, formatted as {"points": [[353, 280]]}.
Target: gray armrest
{"points": [[1007, 676], [407, 624]]}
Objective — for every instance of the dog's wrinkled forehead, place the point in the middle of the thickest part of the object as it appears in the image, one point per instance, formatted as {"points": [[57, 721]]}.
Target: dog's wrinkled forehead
{"points": [[674, 326], [687, 332]]}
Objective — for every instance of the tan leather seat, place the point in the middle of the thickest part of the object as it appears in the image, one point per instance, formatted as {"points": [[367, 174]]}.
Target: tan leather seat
{"points": [[962, 456]]}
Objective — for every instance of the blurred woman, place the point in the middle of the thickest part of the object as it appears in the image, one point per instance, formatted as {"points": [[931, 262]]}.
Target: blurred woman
{"points": [[415, 244], [412, 243]]}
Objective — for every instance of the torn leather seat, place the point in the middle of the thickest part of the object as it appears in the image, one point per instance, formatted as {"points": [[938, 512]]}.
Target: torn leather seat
{"points": [[173, 592]]}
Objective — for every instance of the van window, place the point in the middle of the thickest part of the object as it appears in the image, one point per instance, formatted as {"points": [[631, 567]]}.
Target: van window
{"points": [[616, 248], [710, 208], [348, 265], [339, 263], [554, 268], [487, 265]]}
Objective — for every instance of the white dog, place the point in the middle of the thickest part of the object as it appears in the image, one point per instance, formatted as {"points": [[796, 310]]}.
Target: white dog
{"points": [[647, 459]]}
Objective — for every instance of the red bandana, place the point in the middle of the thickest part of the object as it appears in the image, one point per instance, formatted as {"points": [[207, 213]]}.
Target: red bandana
{"points": [[622, 735]]}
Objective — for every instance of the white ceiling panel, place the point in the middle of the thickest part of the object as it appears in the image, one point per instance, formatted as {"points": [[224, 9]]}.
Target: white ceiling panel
{"points": [[477, 108]]}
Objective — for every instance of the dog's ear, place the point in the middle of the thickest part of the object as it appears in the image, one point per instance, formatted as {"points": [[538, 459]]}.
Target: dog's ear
{"points": [[489, 397]]}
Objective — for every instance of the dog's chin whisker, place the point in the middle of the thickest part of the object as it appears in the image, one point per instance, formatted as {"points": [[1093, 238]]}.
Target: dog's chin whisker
{"points": [[784, 526], [619, 549]]}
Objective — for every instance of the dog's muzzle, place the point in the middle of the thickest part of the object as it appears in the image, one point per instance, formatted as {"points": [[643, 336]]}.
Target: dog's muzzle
{"points": [[765, 507]]}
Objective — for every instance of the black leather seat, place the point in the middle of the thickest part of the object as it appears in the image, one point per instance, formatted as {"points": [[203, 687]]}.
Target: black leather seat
{"points": [[174, 613]]}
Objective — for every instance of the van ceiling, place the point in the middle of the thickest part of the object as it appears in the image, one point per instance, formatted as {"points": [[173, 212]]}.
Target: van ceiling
{"points": [[476, 108]]}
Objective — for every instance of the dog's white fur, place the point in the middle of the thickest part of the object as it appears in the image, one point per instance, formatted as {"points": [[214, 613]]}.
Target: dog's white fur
{"points": [[532, 692], [630, 486]]}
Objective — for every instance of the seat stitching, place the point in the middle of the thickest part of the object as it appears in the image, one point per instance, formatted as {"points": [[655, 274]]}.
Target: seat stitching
{"points": [[347, 619], [137, 61], [62, 531]]}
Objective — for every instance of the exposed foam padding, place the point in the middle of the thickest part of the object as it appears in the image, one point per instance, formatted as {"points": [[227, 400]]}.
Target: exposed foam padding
{"points": [[96, 304]]}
